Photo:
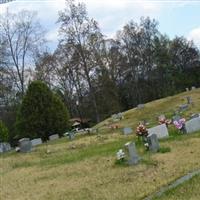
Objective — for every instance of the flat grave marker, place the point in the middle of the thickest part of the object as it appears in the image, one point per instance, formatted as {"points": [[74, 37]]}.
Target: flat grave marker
{"points": [[127, 130]]}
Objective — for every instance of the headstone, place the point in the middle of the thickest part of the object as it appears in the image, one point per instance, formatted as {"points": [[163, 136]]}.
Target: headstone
{"points": [[25, 145], [36, 141], [127, 130], [186, 89], [153, 144], [193, 88], [4, 147], [54, 137], [71, 135], [176, 117], [140, 106], [189, 100], [183, 107], [133, 157], [161, 131], [193, 125], [195, 116]]}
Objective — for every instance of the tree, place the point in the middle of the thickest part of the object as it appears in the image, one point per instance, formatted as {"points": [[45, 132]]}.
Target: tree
{"points": [[42, 113], [22, 36], [3, 132], [78, 31]]}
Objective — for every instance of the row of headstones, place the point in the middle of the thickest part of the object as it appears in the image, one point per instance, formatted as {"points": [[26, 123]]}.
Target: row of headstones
{"points": [[161, 131], [192, 88], [133, 157]]}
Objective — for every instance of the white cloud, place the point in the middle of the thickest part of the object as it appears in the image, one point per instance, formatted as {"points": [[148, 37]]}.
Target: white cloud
{"points": [[195, 35]]}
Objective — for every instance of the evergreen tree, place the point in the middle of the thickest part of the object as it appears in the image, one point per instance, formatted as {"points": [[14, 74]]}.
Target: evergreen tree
{"points": [[42, 113]]}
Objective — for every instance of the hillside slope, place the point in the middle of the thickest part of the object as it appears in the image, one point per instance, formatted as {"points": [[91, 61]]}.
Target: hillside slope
{"points": [[85, 169]]}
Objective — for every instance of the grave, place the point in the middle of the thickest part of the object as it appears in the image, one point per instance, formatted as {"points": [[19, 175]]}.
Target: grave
{"points": [[71, 135], [183, 107], [140, 106], [189, 100], [4, 147], [194, 116], [186, 89], [133, 157], [161, 131], [117, 117], [193, 88], [153, 144], [54, 137], [25, 145], [127, 130], [36, 141], [193, 125]]}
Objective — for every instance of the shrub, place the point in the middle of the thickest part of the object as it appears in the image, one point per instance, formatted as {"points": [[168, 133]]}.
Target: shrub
{"points": [[42, 113]]}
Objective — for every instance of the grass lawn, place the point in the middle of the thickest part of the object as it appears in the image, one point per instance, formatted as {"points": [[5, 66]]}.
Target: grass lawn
{"points": [[85, 167]]}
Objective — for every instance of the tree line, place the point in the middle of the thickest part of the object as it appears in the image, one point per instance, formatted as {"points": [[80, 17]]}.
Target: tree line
{"points": [[95, 76]]}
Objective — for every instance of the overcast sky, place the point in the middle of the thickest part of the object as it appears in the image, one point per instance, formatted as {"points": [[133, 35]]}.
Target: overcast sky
{"points": [[180, 18]]}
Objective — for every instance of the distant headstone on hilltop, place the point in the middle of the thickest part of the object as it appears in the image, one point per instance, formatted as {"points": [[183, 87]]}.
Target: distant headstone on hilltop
{"points": [[54, 137], [36, 141], [4, 147], [25, 145]]}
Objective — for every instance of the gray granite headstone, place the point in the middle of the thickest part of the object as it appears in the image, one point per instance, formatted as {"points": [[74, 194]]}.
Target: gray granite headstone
{"points": [[4, 147], [161, 131], [36, 141], [71, 135], [127, 130], [189, 100], [54, 137], [152, 141], [183, 107], [186, 89], [140, 106], [195, 116], [193, 125], [193, 88], [133, 157], [25, 145]]}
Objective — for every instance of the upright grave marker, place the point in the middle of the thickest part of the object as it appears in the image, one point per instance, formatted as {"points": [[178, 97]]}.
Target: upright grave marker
{"points": [[153, 144], [25, 145], [4, 147], [132, 153]]}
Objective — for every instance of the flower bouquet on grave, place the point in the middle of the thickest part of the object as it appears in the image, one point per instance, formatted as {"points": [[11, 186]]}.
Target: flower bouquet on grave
{"points": [[162, 120], [120, 157], [142, 132], [180, 124]]}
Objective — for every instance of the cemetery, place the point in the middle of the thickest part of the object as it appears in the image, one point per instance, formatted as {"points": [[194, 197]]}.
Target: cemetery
{"points": [[62, 163]]}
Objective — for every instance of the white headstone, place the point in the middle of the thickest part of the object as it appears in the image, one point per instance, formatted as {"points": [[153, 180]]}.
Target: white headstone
{"points": [[54, 137], [193, 125], [140, 106], [161, 131], [36, 141]]}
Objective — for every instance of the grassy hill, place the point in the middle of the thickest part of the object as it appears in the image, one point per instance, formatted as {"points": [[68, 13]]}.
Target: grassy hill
{"points": [[85, 168]]}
